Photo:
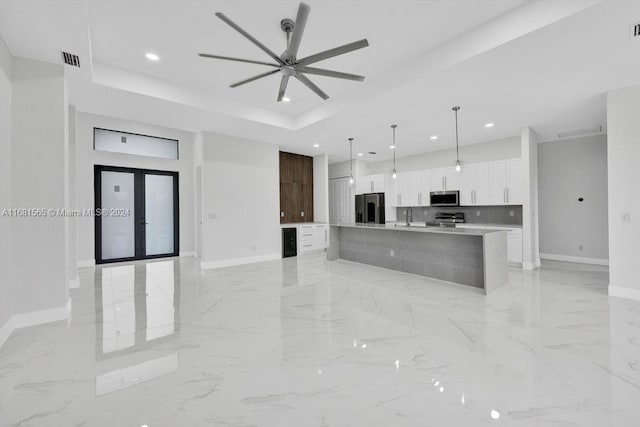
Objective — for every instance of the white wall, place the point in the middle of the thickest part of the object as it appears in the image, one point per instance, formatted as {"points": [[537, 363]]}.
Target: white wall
{"points": [[321, 188], [39, 180], [623, 154], [5, 185], [484, 152], [567, 170], [241, 203], [87, 158]]}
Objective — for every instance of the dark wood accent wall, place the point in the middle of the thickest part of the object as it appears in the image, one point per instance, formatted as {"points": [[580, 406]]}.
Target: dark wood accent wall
{"points": [[296, 188]]}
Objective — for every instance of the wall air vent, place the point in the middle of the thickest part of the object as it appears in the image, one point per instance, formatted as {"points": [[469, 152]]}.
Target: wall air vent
{"points": [[576, 132], [71, 59], [372, 152]]}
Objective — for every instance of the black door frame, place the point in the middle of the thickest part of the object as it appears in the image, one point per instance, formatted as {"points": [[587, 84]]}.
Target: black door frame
{"points": [[139, 212]]}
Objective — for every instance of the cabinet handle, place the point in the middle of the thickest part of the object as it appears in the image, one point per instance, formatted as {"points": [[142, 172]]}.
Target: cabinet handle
{"points": [[398, 197], [419, 198], [508, 195], [372, 186], [504, 195], [442, 179], [445, 182], [325, 236]]}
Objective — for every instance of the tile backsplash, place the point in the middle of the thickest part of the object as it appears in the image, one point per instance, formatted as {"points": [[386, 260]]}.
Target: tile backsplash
{"points": [[511, 215]]}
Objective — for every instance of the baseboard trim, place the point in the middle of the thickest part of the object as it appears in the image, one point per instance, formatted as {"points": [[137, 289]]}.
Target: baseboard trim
{"points": [[208, 265], [34, 318], [187, 253], [74, 283], [86, 263], [578, 259], [620, 292]]}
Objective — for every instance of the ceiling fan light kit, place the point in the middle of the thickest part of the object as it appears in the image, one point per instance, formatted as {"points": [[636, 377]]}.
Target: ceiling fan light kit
{"points": [[287, 64]]}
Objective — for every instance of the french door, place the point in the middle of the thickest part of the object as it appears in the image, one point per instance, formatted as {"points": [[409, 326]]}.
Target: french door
{"points": [[136, 214]]}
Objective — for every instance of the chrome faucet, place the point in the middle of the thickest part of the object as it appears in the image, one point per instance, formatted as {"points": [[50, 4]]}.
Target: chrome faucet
{"points": [[409, 215]]}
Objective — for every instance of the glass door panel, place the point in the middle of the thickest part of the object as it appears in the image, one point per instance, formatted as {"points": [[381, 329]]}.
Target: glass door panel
{"points": [[118, 231], [159, 214]]}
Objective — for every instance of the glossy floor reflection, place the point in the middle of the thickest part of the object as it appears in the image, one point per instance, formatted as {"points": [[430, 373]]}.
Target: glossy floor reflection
{"points": [[304, 342]]}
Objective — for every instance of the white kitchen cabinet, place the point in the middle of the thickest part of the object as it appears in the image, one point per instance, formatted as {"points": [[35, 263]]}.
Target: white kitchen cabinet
{"points": [[474, 185], [341, 201], [371, 184], [506, 182], [514, 246], [422, 187], [514, 239], [312, 237], [445, 179], [403, 185], [514, 182]]}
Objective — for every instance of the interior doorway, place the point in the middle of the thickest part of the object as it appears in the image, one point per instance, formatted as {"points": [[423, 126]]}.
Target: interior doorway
{"points": [[137, 214]]}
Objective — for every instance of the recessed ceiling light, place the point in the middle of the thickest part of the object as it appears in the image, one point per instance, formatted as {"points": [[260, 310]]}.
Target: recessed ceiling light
{"points": [[392, 147], [489, 125], [360, 154], [316, 145], [286, 99], [433, 137], [152, 56]]}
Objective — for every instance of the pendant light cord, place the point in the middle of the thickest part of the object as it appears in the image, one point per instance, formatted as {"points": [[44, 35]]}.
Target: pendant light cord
{"points": [[455, 109], [351, 157]]}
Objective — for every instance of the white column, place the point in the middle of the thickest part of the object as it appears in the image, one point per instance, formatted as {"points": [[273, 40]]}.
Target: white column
{"points": [[530, 240]]}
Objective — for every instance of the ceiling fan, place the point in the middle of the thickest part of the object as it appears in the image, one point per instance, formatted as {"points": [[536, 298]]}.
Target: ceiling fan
{"points": [[288, 64]]}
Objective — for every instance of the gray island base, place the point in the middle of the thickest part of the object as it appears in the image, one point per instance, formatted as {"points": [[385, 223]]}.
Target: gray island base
{"points": [[476, 258]]}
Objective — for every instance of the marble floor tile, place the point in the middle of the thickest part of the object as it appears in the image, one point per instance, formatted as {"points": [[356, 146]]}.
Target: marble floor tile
{"points": [[306, 342]]}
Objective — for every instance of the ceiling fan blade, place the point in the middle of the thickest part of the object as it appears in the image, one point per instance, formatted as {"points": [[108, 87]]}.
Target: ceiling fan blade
{"points": [[228, 58], [298, 29], [308, 83], [330, 73], [259, 76], [250, 37], [283, 87], [350, 47]]}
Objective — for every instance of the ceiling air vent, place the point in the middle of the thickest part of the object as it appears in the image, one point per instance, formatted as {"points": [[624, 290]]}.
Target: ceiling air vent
{"points": [[576, 132], [71, 59]]}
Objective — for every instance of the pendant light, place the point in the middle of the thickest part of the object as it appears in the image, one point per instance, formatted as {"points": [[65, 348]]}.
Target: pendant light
{"points": [[458, 166], [351, 161], [394, 173]]}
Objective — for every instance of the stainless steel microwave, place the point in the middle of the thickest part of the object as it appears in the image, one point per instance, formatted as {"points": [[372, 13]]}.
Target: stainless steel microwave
{"points": [[445, 198]]}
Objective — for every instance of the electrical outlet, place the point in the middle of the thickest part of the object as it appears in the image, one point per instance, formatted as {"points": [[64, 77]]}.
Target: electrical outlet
{"points": [[392, 253], [626, 217], [281, 214], [511, 213], [302, 214], [213, 216], [580, 247], [477, 213]]}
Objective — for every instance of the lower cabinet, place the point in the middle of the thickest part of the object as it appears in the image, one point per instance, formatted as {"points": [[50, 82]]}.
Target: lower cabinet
{"points": [[312, 237], [514, 240]]}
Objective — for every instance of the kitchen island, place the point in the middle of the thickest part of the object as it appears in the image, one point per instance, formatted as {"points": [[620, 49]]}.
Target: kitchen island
{"points": [[470, 257]]}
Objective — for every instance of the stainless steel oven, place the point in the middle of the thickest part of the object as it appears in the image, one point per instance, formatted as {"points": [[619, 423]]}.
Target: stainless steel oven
{"points": [[445, 198]]}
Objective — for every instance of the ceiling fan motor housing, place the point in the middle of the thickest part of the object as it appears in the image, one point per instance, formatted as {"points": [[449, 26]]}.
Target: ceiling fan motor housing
{"points": [[287, 25]]}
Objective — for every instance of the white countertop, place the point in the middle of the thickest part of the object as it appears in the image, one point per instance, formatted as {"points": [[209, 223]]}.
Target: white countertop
{"points": [[421, 229]]}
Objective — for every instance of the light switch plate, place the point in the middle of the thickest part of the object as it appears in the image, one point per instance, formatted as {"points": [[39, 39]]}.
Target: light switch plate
{"points": [[213, 215]]}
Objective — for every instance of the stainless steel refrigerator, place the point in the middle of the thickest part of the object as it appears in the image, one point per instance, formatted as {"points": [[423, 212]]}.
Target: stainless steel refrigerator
{"points": [[370, 208]]}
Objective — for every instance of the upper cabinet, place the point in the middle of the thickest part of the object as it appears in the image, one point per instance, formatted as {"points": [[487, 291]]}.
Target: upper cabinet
{"points": [[370, 184], [506, 182], [445, 179], [475, 184]]}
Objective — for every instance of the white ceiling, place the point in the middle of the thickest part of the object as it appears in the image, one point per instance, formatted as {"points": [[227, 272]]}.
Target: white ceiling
{"points": [[517, 63]]}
